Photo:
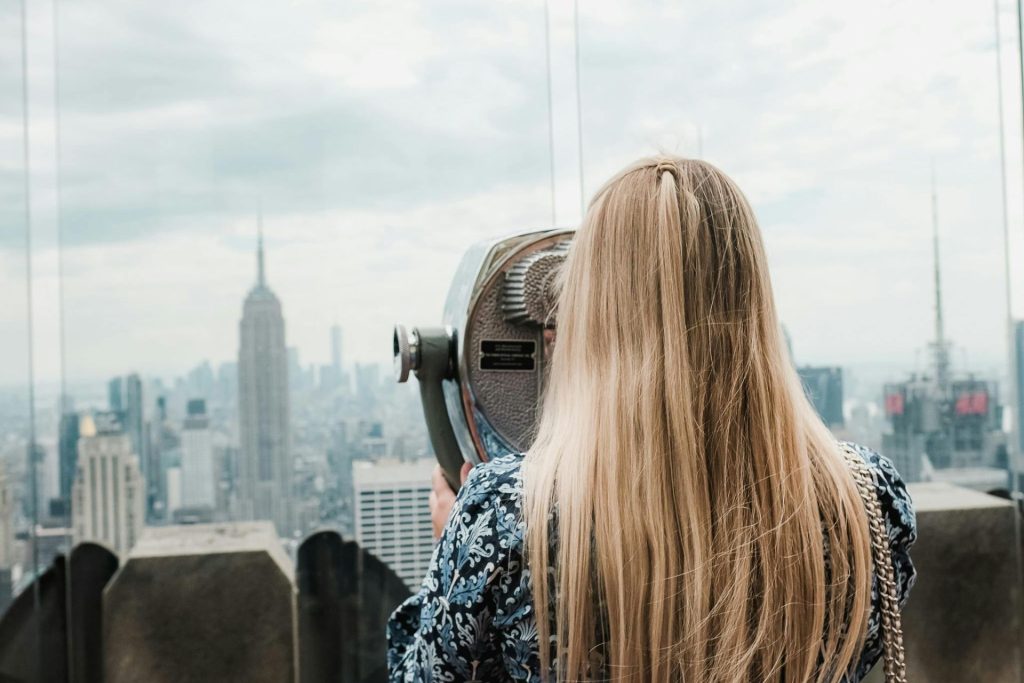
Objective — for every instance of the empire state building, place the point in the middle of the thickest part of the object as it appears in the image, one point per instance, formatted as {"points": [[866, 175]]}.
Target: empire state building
{"points": [[265, 462]]}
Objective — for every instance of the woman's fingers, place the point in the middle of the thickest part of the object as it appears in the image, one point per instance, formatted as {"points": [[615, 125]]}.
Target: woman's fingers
{"points": [[442, 498], [437, 480]]}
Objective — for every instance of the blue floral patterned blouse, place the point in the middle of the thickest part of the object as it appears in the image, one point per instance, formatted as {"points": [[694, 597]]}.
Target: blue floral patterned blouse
{"points": [[473, 618]]}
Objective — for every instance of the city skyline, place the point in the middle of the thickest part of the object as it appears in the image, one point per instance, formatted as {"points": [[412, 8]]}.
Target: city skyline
{"points": [[367, 221], [331, 358], [232, 451]]}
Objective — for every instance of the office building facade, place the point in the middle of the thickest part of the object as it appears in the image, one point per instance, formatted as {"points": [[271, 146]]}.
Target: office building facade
{"points": [[198, 472], [392, 517], [108, 497]]}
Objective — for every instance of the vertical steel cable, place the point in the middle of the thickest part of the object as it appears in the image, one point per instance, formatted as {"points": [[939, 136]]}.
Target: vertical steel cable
{"points": [[1006, 230], [30, 334], [62, 332], [551, 114], [1013, 450], [579, 103]]}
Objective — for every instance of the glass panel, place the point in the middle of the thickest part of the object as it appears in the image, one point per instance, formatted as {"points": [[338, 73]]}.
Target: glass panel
{"points": [[22, 608], [251, 199], [374, 158], [868, 143], [15, 506]]}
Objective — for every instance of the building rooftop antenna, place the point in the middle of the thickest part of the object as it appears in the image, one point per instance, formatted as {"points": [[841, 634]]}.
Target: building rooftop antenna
{"points": [[261, 279], [940, 346]]}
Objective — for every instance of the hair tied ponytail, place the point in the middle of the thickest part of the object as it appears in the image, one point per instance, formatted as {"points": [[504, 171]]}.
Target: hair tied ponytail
{"points": [[666, 167]]}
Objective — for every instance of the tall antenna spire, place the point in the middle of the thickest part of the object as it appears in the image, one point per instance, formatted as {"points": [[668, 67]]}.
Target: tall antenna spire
{"points": [[941, 347], [261, 279]]}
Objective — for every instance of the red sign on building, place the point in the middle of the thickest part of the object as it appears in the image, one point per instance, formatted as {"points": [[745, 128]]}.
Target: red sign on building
{"points": [[894, 404], [972, 403]]}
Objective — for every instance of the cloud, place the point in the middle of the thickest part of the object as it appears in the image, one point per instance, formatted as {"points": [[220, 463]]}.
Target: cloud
{"points": [[294, 124], [382, 138], [829, 121], [168, 302]]}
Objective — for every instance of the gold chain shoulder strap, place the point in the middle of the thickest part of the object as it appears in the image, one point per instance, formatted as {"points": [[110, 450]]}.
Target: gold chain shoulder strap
{"points": [[888, 589]]}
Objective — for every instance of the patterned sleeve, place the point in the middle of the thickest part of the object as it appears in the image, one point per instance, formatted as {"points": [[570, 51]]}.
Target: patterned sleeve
{"points": [[902, 527], [449, 631]]}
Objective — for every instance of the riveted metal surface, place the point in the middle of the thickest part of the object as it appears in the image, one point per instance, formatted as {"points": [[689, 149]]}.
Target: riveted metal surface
{"points": [[528, 295], [509, 400]]}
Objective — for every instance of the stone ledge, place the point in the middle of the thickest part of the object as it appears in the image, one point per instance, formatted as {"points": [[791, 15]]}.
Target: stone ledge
{"points": [[202, 603], [962, 623], [939, 496]]}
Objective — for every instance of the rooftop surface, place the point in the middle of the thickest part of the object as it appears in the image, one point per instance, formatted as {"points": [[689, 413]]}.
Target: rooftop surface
{"points": [[212, 539]]}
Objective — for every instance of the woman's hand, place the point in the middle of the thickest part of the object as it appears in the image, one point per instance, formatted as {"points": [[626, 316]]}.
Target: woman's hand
{"points": [[442, 497]]}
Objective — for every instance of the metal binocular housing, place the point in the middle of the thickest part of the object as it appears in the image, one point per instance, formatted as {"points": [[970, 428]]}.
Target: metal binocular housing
{"points": [[482, 371]]}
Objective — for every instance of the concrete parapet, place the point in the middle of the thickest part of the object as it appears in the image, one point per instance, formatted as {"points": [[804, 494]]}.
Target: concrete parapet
{"points": [[209, 602], [963, 621]]}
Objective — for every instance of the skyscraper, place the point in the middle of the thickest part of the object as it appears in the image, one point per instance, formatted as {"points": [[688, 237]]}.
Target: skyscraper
{"points": [[67, 449], [824, 387], [198, 476], [124, 397], [336, 349], [265, 465], [133, 421], [108, 498], [392, 517], [6, 523], [133, 410], [164, 452], [332, 376], [1018, 344], [115, 394]]}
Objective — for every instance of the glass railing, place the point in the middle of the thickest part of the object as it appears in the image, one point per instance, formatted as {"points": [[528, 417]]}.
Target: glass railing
{"points": [[231, 206], [16, 432]]}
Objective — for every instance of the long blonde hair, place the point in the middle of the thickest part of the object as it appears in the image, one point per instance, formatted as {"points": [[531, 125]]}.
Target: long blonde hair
{"points": [[697, 492]]}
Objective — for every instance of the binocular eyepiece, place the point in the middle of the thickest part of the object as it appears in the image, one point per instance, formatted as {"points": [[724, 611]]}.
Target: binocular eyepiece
{"points": [[482, 373], [407, 345]]}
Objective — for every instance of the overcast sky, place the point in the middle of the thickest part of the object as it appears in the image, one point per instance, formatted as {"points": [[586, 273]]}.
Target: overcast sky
{"points": [[381, 139]]}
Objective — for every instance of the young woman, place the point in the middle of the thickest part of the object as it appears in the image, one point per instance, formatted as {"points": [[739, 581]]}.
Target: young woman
{"points": [[683, 514]]}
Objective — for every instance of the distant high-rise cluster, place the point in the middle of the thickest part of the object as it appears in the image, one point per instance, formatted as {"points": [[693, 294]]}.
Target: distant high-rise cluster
{"points": [[946, 427], [265, 463], [263, 437], [332, 376], [824, 387], [950, 432], [229, 453]]}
